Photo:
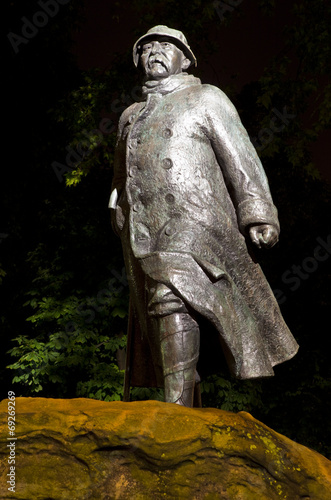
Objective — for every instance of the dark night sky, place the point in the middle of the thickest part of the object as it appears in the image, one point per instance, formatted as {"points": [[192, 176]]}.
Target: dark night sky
{"points": [[247, 46]]}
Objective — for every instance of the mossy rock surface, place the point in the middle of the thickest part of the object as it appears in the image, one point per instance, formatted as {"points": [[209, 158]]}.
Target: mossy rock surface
{"points": [[81, 449]]}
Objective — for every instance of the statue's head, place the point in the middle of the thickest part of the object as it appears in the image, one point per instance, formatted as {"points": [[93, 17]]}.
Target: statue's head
{"points": [[162, 52]]}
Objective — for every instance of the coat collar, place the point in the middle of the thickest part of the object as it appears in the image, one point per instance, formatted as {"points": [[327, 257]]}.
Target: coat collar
{"points": [[168, 85]]}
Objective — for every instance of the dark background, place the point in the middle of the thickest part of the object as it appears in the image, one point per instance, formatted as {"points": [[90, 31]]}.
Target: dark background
{"points": [[246, 47]]}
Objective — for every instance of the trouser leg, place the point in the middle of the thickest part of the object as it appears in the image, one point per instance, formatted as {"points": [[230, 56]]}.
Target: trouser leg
{"points": [[180, 341]]}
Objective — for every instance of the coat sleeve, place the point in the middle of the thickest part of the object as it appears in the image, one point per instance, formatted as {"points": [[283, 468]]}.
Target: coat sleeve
{"points": [[119, 176], [118, 181], [240, 164]]}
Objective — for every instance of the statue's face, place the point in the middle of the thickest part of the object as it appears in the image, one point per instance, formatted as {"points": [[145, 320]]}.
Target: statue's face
{"points": [[161, 58]]}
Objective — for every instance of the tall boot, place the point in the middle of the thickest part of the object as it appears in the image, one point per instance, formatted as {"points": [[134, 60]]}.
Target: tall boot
{"points": [[180, 342]]}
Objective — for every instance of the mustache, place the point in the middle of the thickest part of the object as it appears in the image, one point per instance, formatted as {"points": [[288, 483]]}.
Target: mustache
{"points": [[157, 59]]}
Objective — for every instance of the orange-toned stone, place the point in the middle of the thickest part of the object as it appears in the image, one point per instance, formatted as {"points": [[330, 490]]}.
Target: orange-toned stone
{"points": [[81, 449]]}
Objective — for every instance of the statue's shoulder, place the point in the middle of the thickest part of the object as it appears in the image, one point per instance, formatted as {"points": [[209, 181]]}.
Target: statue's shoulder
{"points": [[204, 92], [212, 96], [128, 113], [211, 92]]}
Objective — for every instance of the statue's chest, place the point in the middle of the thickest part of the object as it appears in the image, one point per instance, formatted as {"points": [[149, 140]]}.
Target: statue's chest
{"points": [[153, 125], [164, 122]]}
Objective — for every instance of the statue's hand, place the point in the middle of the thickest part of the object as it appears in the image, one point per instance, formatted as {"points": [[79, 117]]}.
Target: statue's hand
{"points": [[263, 235]]}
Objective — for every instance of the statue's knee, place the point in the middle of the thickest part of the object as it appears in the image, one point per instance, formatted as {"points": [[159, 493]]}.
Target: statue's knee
{"points": [[162, 301]]}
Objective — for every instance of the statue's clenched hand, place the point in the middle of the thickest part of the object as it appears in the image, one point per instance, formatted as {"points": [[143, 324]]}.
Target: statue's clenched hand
{"points": [[263, 235]]}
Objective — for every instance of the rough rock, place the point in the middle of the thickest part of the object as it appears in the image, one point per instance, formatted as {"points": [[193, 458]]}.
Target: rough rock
{"points": [[87, 449]]}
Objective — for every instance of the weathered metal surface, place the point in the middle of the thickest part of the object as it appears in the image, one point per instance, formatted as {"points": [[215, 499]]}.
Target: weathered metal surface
{"points": [[191, 197]]}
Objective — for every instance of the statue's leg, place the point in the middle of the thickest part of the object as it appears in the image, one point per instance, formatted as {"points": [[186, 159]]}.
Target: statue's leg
{"points": [[178, 337], [179, 340]]}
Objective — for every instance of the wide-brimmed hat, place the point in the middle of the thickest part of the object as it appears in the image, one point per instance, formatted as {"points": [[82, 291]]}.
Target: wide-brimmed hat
{"points": [[175, 36]]}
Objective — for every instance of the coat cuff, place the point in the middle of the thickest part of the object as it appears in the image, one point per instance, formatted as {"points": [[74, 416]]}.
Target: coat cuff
{"points": [[256, 211]]}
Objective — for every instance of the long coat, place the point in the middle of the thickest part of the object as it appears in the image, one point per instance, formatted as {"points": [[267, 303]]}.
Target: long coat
{"points": [[187, 186]]}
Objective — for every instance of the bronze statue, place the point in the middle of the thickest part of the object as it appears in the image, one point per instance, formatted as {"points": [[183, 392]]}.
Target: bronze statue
{"points": [[189, 198]]}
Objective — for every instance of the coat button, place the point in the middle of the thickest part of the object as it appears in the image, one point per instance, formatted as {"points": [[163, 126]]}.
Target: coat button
{"points": [[166, 163], [169, 198], [166, 133], [137, 207], [170, 230], [133, 170]]}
